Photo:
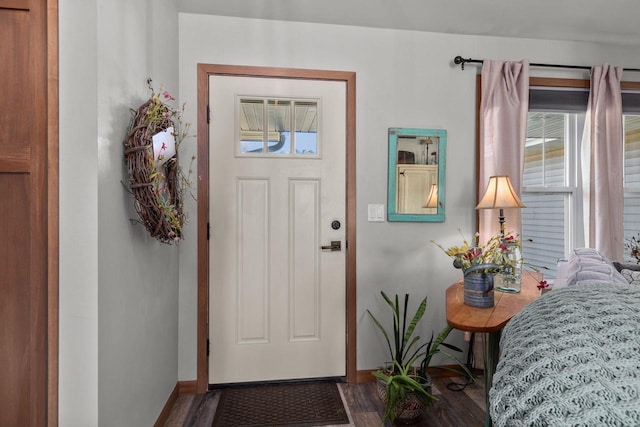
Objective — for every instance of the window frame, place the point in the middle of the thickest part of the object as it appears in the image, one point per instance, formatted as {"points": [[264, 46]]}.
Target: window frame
{"points": [[571, 235], [265, 153], [571, 208]]}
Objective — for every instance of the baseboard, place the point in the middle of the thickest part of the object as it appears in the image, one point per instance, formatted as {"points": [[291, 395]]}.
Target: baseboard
{"points": [[364, 376], [166, 411], [182, 387], [188, 387]]}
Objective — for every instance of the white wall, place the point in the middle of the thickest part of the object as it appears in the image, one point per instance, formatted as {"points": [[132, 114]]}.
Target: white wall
{"points": [[118, 287], [78, 355], [404, 79]]}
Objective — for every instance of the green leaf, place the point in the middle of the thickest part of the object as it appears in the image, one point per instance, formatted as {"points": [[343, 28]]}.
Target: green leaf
{"points": [[416, 318], [384, 333]]}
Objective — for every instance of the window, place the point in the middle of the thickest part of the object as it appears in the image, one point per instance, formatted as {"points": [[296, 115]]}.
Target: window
{"points": [[631, 177], [549, 186], [291, 127], [551, 166]]}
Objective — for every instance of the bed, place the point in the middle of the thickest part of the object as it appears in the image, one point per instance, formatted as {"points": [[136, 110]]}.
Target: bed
{"points": [[572, 358]]}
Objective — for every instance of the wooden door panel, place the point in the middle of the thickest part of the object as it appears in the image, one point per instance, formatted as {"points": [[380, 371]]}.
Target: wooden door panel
{"points": [[15, 302], [14, 4], [16, 102], [23, 225]]}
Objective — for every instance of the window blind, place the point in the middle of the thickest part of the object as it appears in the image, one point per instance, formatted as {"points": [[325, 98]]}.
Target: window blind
{"points": [[574, 100]]}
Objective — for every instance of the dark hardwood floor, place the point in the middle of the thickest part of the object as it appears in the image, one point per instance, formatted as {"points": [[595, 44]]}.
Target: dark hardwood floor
{"points": [[464, 408]]}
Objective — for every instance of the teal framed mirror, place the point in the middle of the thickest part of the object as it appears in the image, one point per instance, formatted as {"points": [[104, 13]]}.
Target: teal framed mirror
{"points": [[416, 190]]}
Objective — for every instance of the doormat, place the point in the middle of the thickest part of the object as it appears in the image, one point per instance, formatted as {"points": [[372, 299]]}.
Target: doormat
{"points": [[291, 404]]}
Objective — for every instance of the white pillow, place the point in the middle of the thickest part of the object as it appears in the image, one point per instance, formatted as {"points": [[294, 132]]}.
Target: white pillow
{"points": [[589, 264]]}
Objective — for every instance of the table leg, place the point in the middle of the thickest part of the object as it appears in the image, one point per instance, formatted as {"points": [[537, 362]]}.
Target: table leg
{"points": [[491, 352]]}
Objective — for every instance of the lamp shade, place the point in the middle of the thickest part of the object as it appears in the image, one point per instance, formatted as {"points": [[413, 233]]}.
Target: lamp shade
{"points": [[500, 194], [432, 198]]}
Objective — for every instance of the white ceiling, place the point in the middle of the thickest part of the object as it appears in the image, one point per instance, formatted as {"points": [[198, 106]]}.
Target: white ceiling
{"points": [[607, 21]]}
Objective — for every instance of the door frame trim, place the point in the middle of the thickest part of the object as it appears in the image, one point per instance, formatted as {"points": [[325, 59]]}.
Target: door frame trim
{"points": [[53, 211], [203, 73]]}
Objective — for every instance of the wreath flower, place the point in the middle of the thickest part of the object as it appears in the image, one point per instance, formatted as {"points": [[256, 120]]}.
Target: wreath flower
{"points": [[156, 179]]}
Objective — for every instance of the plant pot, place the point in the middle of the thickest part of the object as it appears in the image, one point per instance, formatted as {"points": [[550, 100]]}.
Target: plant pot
{"points": [[478, 286], [414, 405]]}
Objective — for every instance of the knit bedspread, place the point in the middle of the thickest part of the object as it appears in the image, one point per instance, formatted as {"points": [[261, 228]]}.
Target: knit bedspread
{"points": [[571, 358]]}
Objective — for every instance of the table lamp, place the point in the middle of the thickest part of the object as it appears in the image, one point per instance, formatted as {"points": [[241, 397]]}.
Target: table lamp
{"points": [[432, 198], [499, 195]]}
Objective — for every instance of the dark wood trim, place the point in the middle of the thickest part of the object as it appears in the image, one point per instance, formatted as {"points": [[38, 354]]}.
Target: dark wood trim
{"points": [[575, 83], [350, 79], [630, 85], [203, 73], [39, 256], [31, 158], [364, 376], [558, 82], [187, 387], [202, 362], [53, 211], [168, 406]]}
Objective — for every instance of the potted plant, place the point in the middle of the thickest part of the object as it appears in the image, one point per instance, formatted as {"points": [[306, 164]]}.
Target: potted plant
{"points": [[404, 385]]}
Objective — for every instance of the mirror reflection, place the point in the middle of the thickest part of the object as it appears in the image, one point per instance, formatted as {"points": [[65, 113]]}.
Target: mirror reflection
{"points": [[416, 174]]}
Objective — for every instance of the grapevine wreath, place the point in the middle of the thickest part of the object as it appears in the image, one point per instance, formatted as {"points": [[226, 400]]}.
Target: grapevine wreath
{"points": [[157, 183]]}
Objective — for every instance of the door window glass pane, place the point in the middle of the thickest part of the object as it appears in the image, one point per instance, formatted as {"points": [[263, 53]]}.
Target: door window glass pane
{"points": [[279, 127], [306, 135], [251, 125]]}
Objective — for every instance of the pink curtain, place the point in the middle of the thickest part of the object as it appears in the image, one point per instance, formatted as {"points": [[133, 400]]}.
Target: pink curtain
{"points": [[503, 126], [602, 162]]}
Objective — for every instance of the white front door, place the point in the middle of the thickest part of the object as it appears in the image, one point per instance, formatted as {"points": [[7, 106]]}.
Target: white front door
{"points": [[277, 180]]}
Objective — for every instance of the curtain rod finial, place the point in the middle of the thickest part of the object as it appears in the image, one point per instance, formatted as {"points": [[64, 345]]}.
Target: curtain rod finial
{"points": [[459, 60]]}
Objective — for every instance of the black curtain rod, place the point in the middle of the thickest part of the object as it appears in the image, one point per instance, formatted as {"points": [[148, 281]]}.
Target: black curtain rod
{"points": [[459, 60]]}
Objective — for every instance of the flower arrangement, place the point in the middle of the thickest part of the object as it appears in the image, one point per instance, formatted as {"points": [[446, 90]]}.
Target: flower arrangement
{"points": [[494, 254], [633, 245], [156, 179]]}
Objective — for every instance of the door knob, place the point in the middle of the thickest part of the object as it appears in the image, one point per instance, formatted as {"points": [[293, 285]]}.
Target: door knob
{"points": [[335, 246]]}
